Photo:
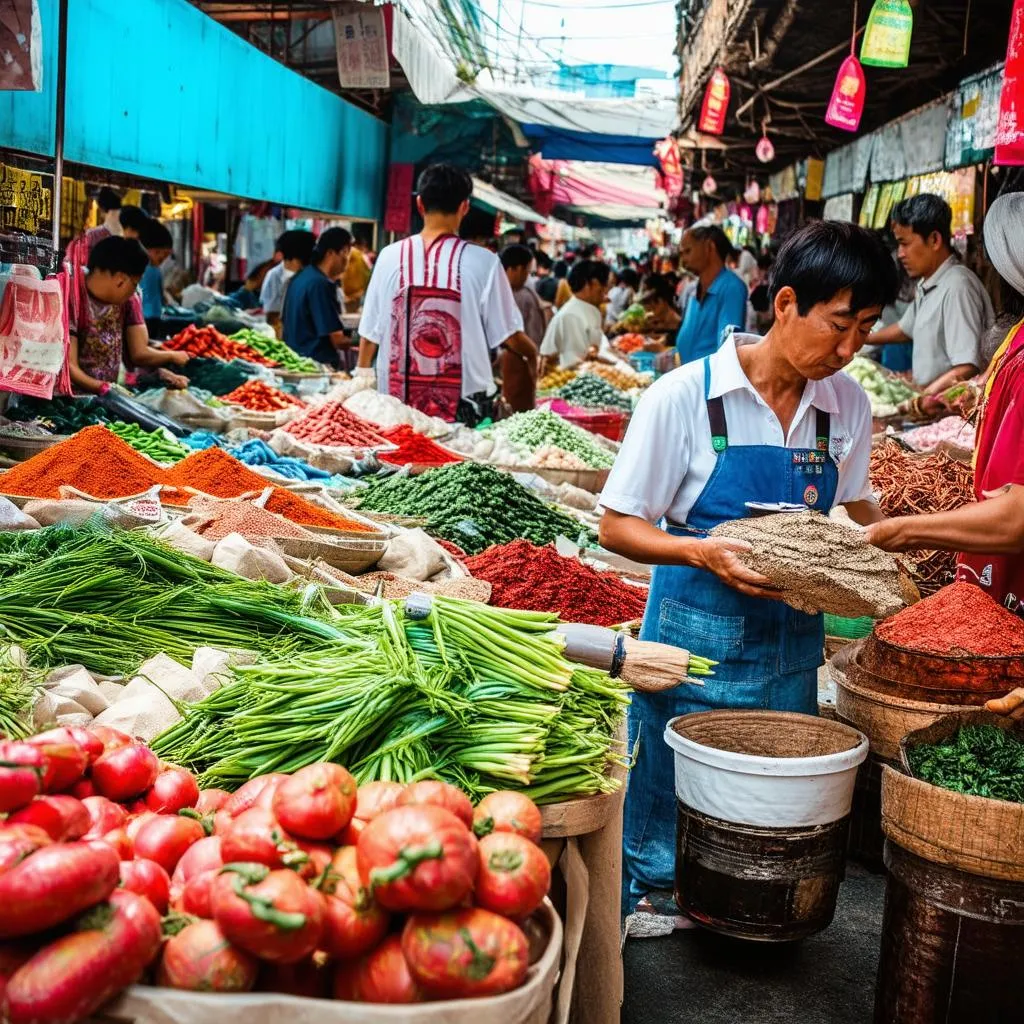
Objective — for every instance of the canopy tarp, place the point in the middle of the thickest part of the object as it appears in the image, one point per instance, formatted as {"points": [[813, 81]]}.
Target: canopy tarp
{"points": [[584, 187], [496, 201]]}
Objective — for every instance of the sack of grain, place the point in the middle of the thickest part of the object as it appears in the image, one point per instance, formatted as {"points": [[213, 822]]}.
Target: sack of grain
{"points": [[178, 535], [12, 517], [237, 555], [414, 555]]}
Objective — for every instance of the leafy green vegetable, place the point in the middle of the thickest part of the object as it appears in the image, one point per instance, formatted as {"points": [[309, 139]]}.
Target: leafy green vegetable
{"points": [[979, 760]]}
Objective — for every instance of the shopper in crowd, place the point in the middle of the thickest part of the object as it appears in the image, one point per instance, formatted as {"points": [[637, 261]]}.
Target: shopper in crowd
{"points": [[951, 309], [247, 295], [621, 295], [547, 287], [720, 299], [296, 250], [105, 324], [311, 318], [563, 290], [659, 300], [437, 308], [108, 205], [157, 242], [357, 274], [519, 376], [576, 331], [542, 264], [760, 420]]}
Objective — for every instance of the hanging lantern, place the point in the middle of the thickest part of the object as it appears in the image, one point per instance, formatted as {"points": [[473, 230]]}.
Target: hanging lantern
{"points": [[752, 193], [764, 150], [716, 104], [710, 186], [848, 94], [886, 41]]}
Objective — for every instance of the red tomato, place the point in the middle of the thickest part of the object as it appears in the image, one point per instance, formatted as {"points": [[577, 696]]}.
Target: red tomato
{"points": [[465, 953], [69, 979], [200, 959], [82, 789], [257, 837], [417, 858], [22, 768], [148, 879], [211, 800], [18, 841], [506, 811], [317, 802], [118, 840], [353, 923], [125, 772], [381, 976], [87, 740], [438, 794], [104, 815], [197, 894], [166, 837], [65, 764], [110, 738], [373, 798], [53, 884], [12, 956], [246, 796], [319, 859], [290, 914], [61, 817], [173, 790], [202, 856], [136, 822], [514, 875]]}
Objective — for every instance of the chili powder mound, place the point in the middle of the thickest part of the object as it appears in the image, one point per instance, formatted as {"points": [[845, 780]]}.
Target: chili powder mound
{"points": [[415, 448], [94, 460], [959, 619], [539, 579], [214, 471], [298, 510]]}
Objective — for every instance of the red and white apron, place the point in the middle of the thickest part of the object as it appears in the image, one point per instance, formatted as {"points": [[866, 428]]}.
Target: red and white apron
{"points": [[426, 335]]}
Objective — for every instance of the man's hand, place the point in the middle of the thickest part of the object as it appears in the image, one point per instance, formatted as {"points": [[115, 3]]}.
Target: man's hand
{"points": [[721, 556], [175, 381], [1012, 704], [884, 535]]}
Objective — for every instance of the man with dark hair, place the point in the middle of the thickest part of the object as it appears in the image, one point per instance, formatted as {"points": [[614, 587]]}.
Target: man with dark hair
{"points": [[133, 220], [108, 204], [761, 420], [518, 375], [622, 295], [951, 309], [576, 331], [720, 300], [105, 322], [157, 242], [311, 316], [292, 251], [437, 307]]}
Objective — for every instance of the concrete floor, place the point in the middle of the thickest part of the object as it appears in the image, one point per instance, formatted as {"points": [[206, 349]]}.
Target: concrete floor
{"points": [[695, 976]]}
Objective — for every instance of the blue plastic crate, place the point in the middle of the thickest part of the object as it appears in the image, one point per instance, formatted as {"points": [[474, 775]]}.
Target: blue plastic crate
{"points": [[643, 362]]}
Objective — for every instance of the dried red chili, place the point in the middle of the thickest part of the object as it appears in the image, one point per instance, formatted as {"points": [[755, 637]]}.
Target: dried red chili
{"points": [[533, 578], [960, 619], [416, 449]]}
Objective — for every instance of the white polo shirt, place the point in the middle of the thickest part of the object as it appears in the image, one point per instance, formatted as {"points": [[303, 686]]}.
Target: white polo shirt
{"points": [[575, 329], [667, 458]]}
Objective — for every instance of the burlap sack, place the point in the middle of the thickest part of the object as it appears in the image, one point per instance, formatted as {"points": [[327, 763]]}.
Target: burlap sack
{"points": [[73, 682], [47, 511], [180, 537], [12, 517], [413, 555], [237, 555]]}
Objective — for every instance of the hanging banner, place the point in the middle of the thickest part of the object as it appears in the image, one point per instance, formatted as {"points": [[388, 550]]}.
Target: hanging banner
{"points": [[21, 46], [1010, 126], [361, 42], [815, 177], [848, 94], [971, 132], [671, 176], [886, 42], [398, 206], [716, 104]]}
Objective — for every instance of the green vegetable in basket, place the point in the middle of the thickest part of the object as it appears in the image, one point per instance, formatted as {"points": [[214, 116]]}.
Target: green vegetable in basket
{"points": [[979, 760]]}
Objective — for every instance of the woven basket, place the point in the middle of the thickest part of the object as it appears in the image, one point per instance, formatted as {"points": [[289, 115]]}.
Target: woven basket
{"points": [[22, 448]]}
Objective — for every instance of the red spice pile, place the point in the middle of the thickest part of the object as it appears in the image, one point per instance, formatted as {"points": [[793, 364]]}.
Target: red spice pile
{"points": [[298, 510], [539, 579], [259, 396], [332, 424], [957, 620], [94, 461], [416, 449]]}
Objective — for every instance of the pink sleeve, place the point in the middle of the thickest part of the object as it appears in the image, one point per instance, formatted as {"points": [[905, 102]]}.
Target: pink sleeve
{"points": [[133, 311]]}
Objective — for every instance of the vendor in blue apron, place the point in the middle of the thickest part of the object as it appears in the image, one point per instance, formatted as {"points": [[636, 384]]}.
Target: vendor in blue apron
{"points": [[764, 420]]}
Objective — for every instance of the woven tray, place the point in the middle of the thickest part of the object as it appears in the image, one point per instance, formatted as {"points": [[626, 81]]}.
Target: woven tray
{"points": [[349, 555], [22, 448], [592, 480]]}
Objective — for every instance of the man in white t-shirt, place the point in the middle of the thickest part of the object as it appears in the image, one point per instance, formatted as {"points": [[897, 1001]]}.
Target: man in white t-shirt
{"points": [[576, 330], [437, 308]]}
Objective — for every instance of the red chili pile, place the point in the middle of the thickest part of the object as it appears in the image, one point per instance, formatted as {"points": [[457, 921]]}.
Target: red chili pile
{"points": [[960, 619], [416, 449], [333, 425], [261, 397], [539, 579], [209, 342]]}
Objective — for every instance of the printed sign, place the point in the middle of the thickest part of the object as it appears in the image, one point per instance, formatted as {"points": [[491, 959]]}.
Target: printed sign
{"points": [[716, 104], [847, 103], [361, 42]]}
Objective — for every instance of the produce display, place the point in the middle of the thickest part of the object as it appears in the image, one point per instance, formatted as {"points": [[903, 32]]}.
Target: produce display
{"points": [[555, 379], [60, 414], [621, 375], [533, 578], [950, 430], [959, 620], [210, 343], [212, 375], [412, 448], [214, 520], [261, 397], [388, 411], [884, 391], [979, 760], [821, 564], [594, 392], [629, 343], [157, 444], [634, 317], [539, 429], [333, 425], [276, 350], [471, 505]]}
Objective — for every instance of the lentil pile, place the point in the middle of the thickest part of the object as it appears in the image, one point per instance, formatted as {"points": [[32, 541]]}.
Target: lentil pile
{"points": [[332, 424], [415, 449], [472, 505], [214, 520], [960, 619], [539, 579]]}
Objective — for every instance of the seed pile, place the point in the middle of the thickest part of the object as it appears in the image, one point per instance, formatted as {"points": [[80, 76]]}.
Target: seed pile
{"points": [[298, 510], [332, 424], [214, 520]]}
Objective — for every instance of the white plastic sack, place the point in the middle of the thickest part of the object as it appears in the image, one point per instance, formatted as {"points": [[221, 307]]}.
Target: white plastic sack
{"points": [[12, 517], [73, 682], [237, 555], [33, 339], [181, 538], [414, 555]]}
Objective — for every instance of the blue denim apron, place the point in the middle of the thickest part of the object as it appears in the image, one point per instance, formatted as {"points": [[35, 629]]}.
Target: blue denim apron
{"points": [[769, 653]]}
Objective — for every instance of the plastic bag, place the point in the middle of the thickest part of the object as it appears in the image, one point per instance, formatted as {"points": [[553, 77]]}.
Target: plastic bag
{"points": [[33, 336], [12, 517]]}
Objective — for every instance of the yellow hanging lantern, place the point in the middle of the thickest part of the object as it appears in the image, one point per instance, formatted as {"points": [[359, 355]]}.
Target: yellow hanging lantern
{"points": [[887, 36]]}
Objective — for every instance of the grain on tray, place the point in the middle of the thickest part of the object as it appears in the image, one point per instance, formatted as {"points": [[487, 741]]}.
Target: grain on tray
{"points": [[214, 520]]}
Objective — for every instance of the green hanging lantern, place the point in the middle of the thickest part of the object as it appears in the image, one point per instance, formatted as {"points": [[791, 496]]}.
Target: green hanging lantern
{"points": [[886, 41]]}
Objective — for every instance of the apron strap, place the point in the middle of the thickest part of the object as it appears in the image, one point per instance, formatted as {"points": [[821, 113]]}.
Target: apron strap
{"points": [[716, 413], [822, 429]]}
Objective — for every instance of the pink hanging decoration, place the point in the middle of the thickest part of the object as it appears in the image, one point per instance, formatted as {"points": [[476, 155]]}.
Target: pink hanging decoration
{"points": [[848, 95], [1010, 126]]}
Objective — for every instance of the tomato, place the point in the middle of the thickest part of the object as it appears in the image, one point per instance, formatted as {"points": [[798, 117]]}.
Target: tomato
{"points": [[211, 800], [88, 741], [125, 772], [104, 815], [61, 817], [373, 798], [514, 875], [200, 959], [316, 802], [272, 914], [319, 859], [166, 837], [110, 738], [19, 841], [69, 979], [246, 796], [438, 794], [257, 837], [22, 768], [353, 923], [148, 879], [417, 858], [12, 956], [81, 789], [222, 822], [136, 823], [118, 840], [173, 790], [381, 976], [197, 894], [465, 953], [201, 856], [65, 764], [52, 884], [349, 835], [506, 811], [308, 978]]}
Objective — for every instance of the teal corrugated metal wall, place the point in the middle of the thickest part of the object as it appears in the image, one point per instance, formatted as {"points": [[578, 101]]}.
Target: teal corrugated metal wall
{"points": [[157, 88]]}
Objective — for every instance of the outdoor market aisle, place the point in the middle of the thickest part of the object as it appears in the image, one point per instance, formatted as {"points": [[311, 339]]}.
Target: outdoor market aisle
{"points": [[695, 975]]}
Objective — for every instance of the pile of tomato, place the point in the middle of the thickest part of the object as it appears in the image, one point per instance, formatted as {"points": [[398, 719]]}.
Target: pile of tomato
{"points": [[115, 867]]}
